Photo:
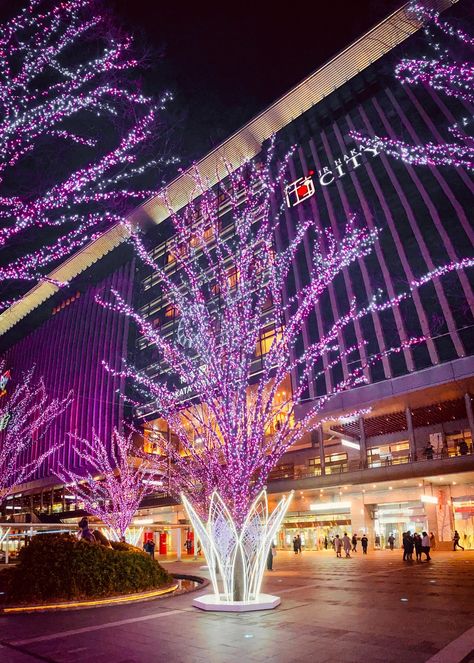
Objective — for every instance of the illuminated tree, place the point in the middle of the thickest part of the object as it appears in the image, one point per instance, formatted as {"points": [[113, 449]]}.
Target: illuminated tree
{"points": [[26, 413], [445, 73], [117, 477], [73, 127], [231, 407]]}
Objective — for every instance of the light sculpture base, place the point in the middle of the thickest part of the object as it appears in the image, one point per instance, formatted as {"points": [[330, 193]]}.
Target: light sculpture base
{"points": [[237, 556], [211, 602]]}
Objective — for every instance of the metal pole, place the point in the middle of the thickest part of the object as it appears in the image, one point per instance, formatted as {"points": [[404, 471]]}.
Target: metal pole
{"points": [[7, 541]]}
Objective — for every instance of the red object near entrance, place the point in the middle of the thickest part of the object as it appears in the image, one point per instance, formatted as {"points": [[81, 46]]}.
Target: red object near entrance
{"points": [[190, 543], [162, 543]]}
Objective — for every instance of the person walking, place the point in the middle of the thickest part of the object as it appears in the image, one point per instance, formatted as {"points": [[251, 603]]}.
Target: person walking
{"points": [[411, 547], [270, 556], [365, 542], [354, 543], [425, 546], [337, 545], [299, 542], [408, 545], [456, 538], [432, 541], [463, 448], [149, 548], [391, 541], [325, 543], [346, 543], [418, 546], [295, 545]]}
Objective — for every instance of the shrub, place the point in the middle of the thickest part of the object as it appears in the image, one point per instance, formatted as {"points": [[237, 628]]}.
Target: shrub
{"points": [[101, 538], [60, 567], [122, 545]]}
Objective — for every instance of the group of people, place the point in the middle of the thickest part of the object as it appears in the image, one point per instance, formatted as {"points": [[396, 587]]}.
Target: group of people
{"points": [[429, 450], [349, 545], [419, 544], [297, 544]]}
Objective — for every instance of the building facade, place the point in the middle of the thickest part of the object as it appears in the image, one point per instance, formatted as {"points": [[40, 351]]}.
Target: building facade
{"points": [[408, 462]]}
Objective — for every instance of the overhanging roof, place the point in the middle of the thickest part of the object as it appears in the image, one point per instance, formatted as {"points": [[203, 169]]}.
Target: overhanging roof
{"points": [[244, 144]]}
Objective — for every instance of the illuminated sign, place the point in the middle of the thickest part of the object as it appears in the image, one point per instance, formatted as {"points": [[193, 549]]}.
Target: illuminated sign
{"points": [[4, 378], [300, 190], [304, 187]]}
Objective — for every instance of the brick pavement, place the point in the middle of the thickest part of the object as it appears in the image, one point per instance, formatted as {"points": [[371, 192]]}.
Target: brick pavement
{"points": [[373, 609]]}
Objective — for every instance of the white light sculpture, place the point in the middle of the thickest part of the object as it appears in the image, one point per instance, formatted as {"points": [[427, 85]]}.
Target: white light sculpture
{"points": [[4, 533], [237, 559], [132, 535]]}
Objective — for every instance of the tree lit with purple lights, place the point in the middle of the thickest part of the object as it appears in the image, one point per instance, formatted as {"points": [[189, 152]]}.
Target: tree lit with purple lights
{"points": [[26, 413], [73, 126], [446, 73], [115, 479], [231, 377]]}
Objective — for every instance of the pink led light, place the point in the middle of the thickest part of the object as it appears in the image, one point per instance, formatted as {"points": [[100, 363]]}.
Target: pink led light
{"points": [[444, 73], [117, 477], [34, 44], [26, 413], [227, 287]]}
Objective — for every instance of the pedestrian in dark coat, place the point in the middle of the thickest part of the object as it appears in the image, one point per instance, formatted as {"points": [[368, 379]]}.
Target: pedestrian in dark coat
{"points": [[418, 546], [365, 542], [271, 554], [456, 538], [354, 543]]}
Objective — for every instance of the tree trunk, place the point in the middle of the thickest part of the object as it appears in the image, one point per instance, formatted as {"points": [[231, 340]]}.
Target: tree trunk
{"points": [[238, 594]]}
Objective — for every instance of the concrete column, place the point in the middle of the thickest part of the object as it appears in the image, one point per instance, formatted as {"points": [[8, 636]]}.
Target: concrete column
{"points": [[178, 544], [470, 415], [411, 434], [432, 518], [321, 450], [363, 445], [361, 520]]}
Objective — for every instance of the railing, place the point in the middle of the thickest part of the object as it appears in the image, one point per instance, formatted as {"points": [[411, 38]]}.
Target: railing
{"points": [[305, 471]]}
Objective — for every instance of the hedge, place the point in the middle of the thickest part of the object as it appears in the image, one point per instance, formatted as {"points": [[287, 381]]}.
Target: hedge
{"points": [[61, 567]]}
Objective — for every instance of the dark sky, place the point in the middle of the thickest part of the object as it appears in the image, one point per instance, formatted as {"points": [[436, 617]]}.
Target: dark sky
{"points": [[228, 61]]}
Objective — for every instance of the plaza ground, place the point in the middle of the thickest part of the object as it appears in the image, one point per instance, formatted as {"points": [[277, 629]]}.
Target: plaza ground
{"points": [[372, 608]]}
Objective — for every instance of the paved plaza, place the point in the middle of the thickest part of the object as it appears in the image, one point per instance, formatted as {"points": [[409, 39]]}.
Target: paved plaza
{"points": [[373, 609]]}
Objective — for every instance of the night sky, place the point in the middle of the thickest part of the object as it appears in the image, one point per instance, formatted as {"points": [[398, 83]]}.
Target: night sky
{"points": [[228, 61]]}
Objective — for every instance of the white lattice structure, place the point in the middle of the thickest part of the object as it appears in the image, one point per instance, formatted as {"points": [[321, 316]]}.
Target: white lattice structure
{"points": [[226, 548], [133, 535]]}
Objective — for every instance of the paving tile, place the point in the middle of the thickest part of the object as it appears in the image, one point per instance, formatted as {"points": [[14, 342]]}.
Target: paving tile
{"points": [[330, 611]]}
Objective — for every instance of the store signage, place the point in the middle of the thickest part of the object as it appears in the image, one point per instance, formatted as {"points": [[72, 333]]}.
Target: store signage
{"points": [[4, 378], [304, 187]]}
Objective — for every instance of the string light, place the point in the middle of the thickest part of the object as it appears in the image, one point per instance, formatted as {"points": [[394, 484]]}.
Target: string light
{"points": [[442, 73], [34, 45], [114, 481], [27, 413], [226, 288]]}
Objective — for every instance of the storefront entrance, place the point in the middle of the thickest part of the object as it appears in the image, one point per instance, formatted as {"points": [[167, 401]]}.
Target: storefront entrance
{"points": [[394, 519], [464, 521], [313, 533]]}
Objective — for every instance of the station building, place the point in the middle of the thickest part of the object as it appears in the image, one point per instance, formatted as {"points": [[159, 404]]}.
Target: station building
{"points": [[408, 462]]}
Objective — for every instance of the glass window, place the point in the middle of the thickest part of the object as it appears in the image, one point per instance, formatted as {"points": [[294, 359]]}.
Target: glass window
{"points": [[389, 454]]}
